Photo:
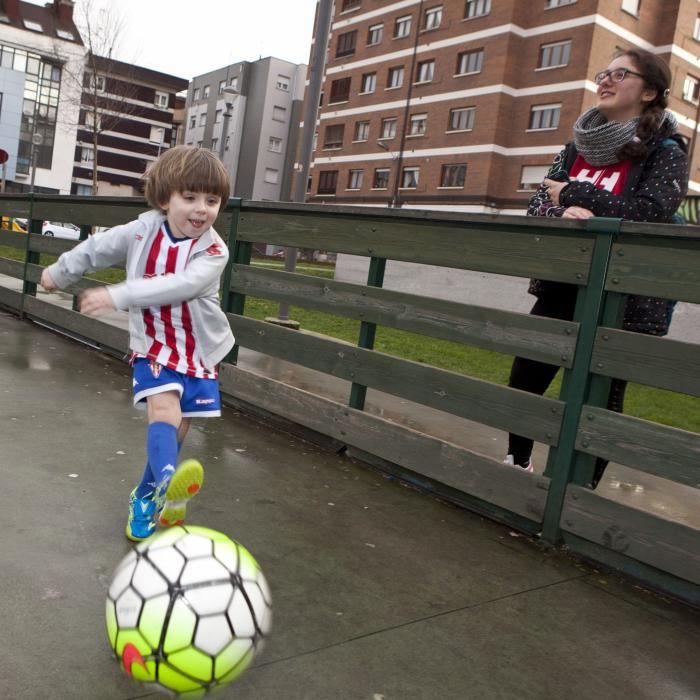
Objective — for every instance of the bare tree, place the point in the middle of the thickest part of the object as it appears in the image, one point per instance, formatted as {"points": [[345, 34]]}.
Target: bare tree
{"points": [[102, 88]]}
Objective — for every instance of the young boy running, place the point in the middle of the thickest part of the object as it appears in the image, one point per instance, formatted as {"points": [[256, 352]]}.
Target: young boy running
{"points": [[178, 332]]}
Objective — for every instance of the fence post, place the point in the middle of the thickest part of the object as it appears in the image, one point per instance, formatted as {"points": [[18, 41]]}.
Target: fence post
{"points": [[30, 257], [368, 331], [579, 376], [239, 253]]}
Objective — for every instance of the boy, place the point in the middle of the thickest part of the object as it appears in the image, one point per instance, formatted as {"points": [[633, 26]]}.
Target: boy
{"points": [[177, 331]]}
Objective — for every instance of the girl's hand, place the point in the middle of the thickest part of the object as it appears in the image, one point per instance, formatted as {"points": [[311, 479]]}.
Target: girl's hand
{"points": [[96, 301], [47, 281], [577, 213], [554, 188]]}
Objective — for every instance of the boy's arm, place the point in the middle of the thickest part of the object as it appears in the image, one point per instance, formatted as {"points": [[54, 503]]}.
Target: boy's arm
{"points": [[98, 251], [201, 274]]}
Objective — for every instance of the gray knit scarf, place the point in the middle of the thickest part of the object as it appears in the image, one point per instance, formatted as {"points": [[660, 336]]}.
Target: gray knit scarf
{"points": [[599, 140]]}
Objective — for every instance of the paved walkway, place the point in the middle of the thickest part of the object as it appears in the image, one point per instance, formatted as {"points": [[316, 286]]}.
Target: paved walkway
{"points": [[380, 592]]}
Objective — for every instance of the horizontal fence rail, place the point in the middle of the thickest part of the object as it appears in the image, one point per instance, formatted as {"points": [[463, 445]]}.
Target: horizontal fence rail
{"points": [[605, 260]]}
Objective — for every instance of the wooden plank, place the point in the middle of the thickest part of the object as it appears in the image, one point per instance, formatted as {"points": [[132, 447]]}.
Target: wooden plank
{"points": [[561, 256], [111, 211], [10, 298], [16, 206], [428, 456], [13, 239], [90, 328], [485, 402], [534, 337], [12, 268], [663, 267], [666, 545], [647, 359], [667, 452]]}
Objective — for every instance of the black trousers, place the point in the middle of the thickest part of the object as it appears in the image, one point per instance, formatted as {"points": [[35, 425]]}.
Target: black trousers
{"points": [[535, 377]]}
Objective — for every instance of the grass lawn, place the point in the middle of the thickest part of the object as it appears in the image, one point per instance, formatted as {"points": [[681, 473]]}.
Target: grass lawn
{"points": [[652, 404]]}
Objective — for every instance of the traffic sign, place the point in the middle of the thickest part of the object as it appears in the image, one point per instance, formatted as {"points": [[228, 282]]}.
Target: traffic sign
{"points": [[4, 155]]}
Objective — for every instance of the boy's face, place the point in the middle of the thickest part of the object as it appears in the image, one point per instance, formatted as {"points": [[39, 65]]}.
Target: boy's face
{"points": [[190, 214]]}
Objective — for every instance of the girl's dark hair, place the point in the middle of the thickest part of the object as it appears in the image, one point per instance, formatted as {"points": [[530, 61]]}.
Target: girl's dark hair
{"points": [[657, 76]]}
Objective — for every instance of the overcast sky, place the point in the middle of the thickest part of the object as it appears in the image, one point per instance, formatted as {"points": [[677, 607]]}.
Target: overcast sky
{"points": [[188, 39]]}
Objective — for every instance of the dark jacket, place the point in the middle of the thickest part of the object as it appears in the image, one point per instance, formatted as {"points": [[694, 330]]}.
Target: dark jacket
{"points": [[653, 191]]}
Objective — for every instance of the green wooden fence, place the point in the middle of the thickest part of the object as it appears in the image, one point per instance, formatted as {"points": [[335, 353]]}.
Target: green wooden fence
{"points": [[605, 258]]}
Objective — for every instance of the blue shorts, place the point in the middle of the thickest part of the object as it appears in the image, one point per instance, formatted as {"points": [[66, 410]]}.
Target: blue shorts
{"points": [[199, 398]]}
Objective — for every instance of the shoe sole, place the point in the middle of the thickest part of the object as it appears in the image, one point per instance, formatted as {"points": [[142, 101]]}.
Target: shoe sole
{"points": [[132, 537], [185, 483]]}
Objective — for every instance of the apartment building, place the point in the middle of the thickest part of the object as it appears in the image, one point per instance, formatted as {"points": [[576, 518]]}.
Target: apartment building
{"points": [[461, 104], [249, 113], [128, 116], [39, 48]]}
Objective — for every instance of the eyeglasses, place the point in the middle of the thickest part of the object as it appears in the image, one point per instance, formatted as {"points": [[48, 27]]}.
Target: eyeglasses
{"points": [[616, 76]]}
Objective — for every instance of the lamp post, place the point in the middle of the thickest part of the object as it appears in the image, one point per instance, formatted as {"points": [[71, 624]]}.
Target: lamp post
{"points": [[36, 142], [232, 93], [394, 200]]}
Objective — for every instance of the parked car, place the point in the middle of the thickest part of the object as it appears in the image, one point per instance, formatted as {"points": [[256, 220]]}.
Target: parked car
{"points": [[60, 230], [19, 225]]}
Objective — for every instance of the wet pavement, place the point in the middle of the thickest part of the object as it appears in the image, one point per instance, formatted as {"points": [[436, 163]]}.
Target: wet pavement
{"points": [[379, 592]]}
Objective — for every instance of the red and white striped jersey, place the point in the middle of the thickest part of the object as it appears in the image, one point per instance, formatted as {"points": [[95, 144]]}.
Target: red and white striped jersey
{"points": [[169, 328]]}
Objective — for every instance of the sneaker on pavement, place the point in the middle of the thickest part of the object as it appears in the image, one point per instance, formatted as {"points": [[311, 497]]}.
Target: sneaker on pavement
{"points": [[141, 523], [171, 497], [510, 461]]}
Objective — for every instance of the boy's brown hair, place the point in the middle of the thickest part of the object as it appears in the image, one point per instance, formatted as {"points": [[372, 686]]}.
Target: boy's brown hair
{"points": [[186, 168]]}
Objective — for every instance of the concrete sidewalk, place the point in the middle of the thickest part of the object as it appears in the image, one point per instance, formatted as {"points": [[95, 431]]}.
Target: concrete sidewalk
{"points": [[379, 592]]}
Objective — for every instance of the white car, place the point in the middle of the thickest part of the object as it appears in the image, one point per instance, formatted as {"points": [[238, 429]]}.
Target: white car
{"points": [[60, 230]]}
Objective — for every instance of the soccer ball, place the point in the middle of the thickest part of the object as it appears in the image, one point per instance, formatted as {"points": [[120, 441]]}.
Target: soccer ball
{"points": [[187, 611]]}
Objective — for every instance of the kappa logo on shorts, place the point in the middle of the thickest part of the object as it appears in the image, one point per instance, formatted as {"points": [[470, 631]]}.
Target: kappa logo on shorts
{"points": [[155, 369], [201, 402]]}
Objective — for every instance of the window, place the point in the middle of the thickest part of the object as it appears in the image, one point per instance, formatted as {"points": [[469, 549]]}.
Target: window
{"points": [[554, 55], [205, 92], [381, 179], [549, 4], [691, 89], [279, 114], [395, 77], [34, 26], [531, 176], [350, 5], [417, 124], [215, 145], [340, 91], [282, 83], [461, 119], [271, 176], [327, 181], [453, 175], [432, 18], [402, 27], [470, 62], [544, 117], [334, 136], [195, 95], [202, 119], [222, 85], [388, 130], [375, 34], [93, 120], [409, 178], [369, 82], [631, 6], [477, 8], [696, 29], [274, 145], [97, 83], [217, 116], [161, 100], [157, 134], [361, 131], [193, 122], [87, 155], [234, 82], [346, 44], [425, 71], [83, 190], [65, 34], [355, 179]]}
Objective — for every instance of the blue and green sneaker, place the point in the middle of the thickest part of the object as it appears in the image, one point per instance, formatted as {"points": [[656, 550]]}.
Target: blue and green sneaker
{"points": [[171, 496], [141, 523]]}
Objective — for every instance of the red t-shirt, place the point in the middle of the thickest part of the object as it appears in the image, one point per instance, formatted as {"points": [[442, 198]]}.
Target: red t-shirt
{"points": [[605, 177]]}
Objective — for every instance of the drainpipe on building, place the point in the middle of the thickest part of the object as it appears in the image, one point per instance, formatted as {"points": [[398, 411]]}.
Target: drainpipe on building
{"points": [[317, 63]]}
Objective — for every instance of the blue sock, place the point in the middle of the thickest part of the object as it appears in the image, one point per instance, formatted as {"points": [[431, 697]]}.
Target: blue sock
{"points": [[161, 448], [148, 482]]}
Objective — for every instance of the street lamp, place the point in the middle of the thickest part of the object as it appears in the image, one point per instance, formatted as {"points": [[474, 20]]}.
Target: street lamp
{"points": [[232, 93], [36, 142], [394, 201]]}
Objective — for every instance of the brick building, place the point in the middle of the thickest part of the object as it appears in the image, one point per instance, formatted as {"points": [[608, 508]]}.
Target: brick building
{"points": [[461, 104]]}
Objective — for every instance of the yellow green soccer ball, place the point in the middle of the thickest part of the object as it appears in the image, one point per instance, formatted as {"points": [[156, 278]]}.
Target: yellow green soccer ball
{"points": [[187, 611]]}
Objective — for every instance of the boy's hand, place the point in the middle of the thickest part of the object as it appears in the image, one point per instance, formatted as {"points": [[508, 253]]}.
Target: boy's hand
{"points": [[96, 301], [47, 281], [577, 213]]}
